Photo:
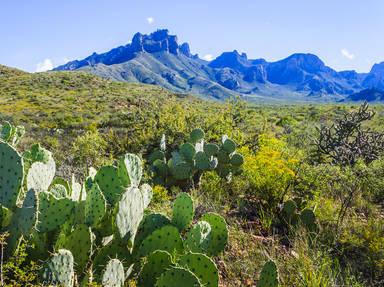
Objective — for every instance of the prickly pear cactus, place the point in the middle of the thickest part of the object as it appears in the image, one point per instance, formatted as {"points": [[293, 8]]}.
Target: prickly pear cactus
{"points": [[5, 216], [130, 170], [149, 224], [157, 263], [196, 135], [113, 249], [202, 161], [113, 275], [188, 151], [27, 214], [53, 212], [203, 267], [59, 269], [11, 175], [79, 242], [211, 149], [6, 131], [95, 206], [176, 277], [308, 218], [237, 159], [156, 155], [183, 211], [218, 235], [229, 146], [198, 237], [146, 192], [58, 190], [181, 170], [109, 182], [130, 212], [289, 208], [269, 276], [40, 175], [166, 238]]}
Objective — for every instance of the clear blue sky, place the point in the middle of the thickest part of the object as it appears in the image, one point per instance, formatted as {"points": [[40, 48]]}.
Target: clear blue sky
{"points": [[345, 34]]}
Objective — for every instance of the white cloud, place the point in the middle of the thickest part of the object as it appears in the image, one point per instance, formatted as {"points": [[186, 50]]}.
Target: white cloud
{"points": [[150, 20], [347, 54], [45, 65], [208, 57]]}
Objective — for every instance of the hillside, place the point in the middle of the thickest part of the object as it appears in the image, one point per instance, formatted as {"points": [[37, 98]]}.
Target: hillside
{"points": [[159, 59]]}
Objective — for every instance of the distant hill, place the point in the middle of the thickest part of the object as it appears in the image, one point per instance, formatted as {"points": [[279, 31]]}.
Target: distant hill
{"points": [[159, 59], [369, 95]]}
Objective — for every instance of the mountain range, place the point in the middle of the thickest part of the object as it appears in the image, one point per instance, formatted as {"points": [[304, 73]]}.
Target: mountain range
{"points": [[159, 59]]}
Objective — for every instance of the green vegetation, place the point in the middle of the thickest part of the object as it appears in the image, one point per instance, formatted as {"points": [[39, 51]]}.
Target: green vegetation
{"points": [[291, 212]]}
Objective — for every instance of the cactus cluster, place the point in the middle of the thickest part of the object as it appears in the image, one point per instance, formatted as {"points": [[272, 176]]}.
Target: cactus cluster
{"points": [[185, 166], [177, 254], [269, 276], [291, 216], [98, 230]]}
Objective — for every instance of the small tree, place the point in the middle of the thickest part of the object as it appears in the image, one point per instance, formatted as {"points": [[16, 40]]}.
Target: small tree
{"points": [[346, 141]]}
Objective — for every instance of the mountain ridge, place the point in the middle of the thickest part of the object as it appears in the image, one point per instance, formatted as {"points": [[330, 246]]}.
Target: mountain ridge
{"points": [[159, 59]]}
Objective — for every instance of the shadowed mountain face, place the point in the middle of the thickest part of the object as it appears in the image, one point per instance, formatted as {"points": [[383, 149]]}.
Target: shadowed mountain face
{"points": [[159, 59]]}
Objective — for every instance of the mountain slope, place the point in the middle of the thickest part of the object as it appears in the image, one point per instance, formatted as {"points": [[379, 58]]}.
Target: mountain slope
{"points": [[158, 59]]}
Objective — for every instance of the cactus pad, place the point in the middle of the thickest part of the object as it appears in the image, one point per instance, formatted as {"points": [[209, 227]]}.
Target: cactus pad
{"points": [[269, 276], [59, 269], [237, 159], [218, 235], [146, 192], [182, 171], [109, 182], [196, 135], [79, 242], [289, 208], [11, 175], [130, 170], [26, 215], [53, 212], [6, 131], [58, 190], [188, 151], [229, 146], [156, 155], [211, 149], [40, 175], [130, 212], [5, 216], [308, 218], [198, 238], [202, 161], [113, 275], [95, 206], [149, 224], [183, 211], [166, 238], [176, 277], [160, 167], [157, 263], [203, 267], [113, 249]]}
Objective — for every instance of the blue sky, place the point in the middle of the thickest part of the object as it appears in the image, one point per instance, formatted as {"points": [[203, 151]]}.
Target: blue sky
{"points": [[345, 34]]}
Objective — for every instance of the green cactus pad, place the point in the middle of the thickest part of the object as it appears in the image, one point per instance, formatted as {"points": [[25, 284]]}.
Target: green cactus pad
{"points": [[53, 212], [27, 214], [40, 175], [160, 167], [182, 170], [202, 161], [63, 182], [237, 159], [269, 276], [166, 238], [113, 275], [188, 151], [218, 234], [59, 269], [95, 206], [196, 135], [113, 249], [156, 155], [223, 157], [6, 131], [223, 170], [11, 175], [109, 182], [183, 211], [308, 218], [157, 263], [5, 216], [37, 153], [146, 192], [211, 149], [229, 146], [199, 237], [17, 134], [176, 277], [130, 212], [149, 224], [79, 242], [58, 190], [203, 267], [289, 208], [130, 170]]}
